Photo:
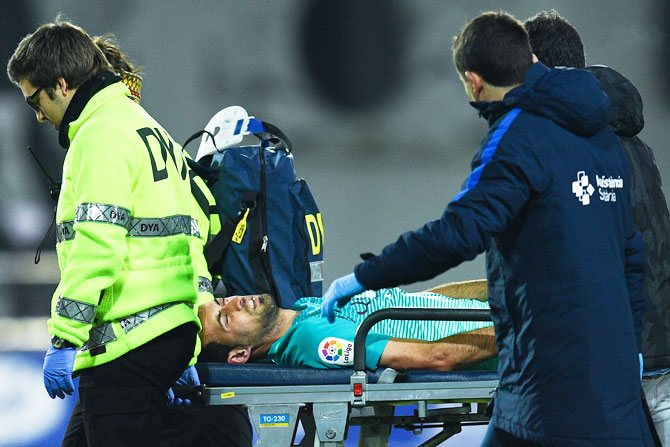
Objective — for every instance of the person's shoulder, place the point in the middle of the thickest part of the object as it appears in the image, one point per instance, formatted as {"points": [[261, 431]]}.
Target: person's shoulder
{"points": [[113, 120], [312, 327], [317, 330], [317, 343]]}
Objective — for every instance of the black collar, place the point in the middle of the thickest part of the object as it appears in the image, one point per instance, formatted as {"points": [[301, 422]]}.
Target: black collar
{"points": [[81, 97]]}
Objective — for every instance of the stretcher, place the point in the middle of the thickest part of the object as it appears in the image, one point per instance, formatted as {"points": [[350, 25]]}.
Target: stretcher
{"points": [[326, 402]]}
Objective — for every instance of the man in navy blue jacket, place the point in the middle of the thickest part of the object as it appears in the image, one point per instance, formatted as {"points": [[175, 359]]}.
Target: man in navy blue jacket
{"points": [[557, 43], [548, 199]]}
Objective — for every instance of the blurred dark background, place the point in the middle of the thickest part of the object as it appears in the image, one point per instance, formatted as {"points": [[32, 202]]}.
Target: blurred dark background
{"points": [[367, 92]]}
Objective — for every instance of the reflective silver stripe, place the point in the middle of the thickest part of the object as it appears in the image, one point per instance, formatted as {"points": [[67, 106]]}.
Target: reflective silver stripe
{"points": [[195, 229], [165, 226], [316, 269], [98, 336], [205, 285], [102, 334], [98, 212], [131, 322], [76, 310], [137, 227], [65, 231]]}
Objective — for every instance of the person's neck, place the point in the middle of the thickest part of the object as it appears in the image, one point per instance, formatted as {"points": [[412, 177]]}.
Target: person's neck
{"points": [[492, 93], [80, 97], [283, 323]]}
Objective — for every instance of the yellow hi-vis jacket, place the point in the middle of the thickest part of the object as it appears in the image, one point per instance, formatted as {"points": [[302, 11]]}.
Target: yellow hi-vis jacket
{"points": [[124, 232], [209, 224]]}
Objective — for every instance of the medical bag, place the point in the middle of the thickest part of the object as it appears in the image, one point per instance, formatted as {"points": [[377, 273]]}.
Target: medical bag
{"points": [[271, 240]]}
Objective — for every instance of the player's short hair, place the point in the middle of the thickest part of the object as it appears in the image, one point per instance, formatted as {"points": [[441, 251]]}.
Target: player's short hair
{"points": [[494, 45]]}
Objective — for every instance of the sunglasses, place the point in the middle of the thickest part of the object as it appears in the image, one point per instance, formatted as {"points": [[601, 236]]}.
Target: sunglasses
{"points": [[32, 100]]}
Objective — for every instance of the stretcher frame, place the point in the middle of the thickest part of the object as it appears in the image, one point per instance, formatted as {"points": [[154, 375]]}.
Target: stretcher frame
{"points": [[327, 402]]}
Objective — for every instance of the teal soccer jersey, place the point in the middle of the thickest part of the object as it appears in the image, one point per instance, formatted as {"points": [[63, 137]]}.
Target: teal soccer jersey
{"points": [[312, 341]]}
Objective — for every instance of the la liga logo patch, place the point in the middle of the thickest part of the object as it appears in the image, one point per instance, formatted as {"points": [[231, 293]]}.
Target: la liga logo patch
{"points": [[336, 351], [332, 350]]}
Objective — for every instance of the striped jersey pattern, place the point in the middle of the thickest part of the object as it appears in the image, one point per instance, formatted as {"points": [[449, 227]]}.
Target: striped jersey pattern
{"points": [[363, 304]]}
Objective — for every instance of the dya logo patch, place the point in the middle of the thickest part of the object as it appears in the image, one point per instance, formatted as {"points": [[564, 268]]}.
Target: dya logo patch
{"points": [[336, 351], [582, 188]]}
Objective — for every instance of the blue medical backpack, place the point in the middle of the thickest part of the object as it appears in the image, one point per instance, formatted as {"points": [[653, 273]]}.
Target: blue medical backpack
{"points": [[271, 240]]}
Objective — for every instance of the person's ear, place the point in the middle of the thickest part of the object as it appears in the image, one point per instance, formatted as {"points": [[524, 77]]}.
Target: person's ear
{"points": [[239, 355], [476, 82], [62, 86], [535, 59]]}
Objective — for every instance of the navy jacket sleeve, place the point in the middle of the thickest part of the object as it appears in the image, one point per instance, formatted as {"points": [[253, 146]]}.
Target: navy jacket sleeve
{"points": [[635, 274], [506, 171], [634, 266]]}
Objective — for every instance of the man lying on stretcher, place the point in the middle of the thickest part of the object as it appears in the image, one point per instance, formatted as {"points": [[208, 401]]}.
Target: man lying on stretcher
{"points": [[246, 328]]}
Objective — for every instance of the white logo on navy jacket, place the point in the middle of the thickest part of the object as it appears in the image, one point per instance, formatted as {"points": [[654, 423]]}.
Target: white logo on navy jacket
{"points": [[583, 190]]}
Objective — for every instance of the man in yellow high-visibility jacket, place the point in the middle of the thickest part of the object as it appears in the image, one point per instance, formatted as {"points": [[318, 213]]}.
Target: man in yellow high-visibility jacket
{"points": [[122, 316]]}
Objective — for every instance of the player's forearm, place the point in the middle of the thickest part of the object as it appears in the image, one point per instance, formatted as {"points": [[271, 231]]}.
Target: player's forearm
{"points": [[455, 352], [460, 351]]}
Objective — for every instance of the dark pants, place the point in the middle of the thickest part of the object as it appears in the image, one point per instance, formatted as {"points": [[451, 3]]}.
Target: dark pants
{"points": [[207, 426], [496, 437], [120, 402], [200, 426]]}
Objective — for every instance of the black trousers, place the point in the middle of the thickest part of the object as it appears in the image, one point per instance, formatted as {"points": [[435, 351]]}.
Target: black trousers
{"points": [[199, 426], [121, 402], [207, 426]]}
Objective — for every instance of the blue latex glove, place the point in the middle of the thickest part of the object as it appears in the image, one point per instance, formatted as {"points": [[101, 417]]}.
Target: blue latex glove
{"points": [[641, 364], [340, 292], [57, 370], [188, 377]]}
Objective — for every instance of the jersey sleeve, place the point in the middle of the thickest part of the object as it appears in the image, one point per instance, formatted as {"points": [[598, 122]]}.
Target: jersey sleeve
{"points": [[319, 344]]}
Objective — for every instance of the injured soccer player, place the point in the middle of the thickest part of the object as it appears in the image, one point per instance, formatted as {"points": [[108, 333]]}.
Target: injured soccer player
{"points": [[241, 329]]}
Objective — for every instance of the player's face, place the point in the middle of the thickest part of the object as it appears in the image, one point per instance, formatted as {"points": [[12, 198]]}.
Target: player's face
{"points": [[237, 320]]}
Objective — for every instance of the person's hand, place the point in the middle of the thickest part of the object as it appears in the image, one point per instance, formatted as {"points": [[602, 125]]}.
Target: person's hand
{"points": [[57, 370], [340, 292], [188, 377], [641, 364]]}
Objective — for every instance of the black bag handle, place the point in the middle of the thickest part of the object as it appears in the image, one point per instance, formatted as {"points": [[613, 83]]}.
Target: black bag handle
{"points": [[273, 134], [196, 135]]}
